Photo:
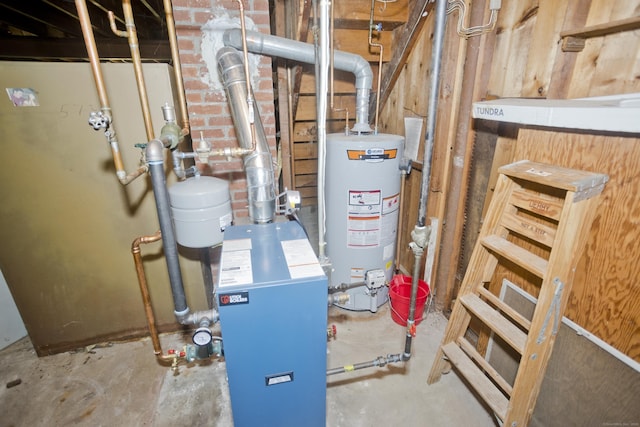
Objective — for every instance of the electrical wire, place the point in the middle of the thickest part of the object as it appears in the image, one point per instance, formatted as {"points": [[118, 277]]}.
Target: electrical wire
{"points": [[468, 32]]}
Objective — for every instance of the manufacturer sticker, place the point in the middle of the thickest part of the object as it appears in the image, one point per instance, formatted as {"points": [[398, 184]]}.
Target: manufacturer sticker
{"points": [[372, 154], [233, 298]]}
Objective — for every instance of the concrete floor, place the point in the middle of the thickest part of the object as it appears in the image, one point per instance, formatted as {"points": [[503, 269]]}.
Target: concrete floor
{"points": [[121, 384]]}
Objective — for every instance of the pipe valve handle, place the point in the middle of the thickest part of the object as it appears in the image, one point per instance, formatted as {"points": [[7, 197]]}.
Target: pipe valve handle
{"points": [[98, 120]]}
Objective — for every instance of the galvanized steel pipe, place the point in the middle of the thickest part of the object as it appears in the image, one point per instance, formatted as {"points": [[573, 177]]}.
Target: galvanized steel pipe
{"points": [[280, 47], [432, 107], [258, 165]]}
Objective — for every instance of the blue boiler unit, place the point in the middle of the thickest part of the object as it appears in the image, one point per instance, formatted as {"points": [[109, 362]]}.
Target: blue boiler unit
{"points": [[272, 299]]}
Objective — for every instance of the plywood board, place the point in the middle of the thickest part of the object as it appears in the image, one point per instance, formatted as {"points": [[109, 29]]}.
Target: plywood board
{"points": [[606, 297]]}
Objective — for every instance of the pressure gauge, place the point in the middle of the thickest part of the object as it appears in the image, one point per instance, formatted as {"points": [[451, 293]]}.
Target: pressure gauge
{"points": [[202, 337]]}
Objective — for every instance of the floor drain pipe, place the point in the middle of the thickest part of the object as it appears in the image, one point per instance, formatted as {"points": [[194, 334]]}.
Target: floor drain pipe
{"points": [[155, 160]]}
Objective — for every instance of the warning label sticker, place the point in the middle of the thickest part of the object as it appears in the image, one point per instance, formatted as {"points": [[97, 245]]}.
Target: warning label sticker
{"points": [[235, 263], [364, 218]]}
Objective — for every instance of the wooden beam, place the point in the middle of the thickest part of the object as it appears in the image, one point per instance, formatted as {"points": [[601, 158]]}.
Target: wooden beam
{"points": [[361, 24], [403, 47], [301, 33], [12, 48], [361, 10]]}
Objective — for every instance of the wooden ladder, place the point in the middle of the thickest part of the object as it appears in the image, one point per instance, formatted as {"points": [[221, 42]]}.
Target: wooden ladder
{"points": [[537, 223]]}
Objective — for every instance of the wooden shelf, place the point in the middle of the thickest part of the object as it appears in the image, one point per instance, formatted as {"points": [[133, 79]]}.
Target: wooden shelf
{"points": [[573, 40]]}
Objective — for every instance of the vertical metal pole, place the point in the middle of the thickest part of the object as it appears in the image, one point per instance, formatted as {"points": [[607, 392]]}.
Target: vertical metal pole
{"points": [[436, 61]]}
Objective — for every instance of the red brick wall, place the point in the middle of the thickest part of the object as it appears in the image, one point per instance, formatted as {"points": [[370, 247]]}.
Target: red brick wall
{"points": [[206, 102]]}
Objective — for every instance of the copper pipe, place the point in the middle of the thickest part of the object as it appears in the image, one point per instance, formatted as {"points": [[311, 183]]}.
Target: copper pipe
{"points": [[132, 37], [177, 67], [92, 51], [400, 220], [146, 297], [379, 45], [94, 60]]}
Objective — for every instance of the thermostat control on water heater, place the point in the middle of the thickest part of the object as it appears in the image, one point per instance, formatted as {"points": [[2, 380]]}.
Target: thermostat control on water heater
{"points": [[375, 279]]}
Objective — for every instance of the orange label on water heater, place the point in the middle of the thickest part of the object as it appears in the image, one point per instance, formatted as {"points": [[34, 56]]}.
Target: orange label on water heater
{"points": [[377, 154]]}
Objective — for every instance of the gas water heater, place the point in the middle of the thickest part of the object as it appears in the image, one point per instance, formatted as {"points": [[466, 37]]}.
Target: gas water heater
{"points": [[362, 205], [272, 300]]}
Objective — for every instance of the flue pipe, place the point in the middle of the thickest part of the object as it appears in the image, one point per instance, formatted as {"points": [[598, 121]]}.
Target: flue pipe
{"points": [[177, 67], [265, 44], [258, 165], [132, 38], [105, 108]]}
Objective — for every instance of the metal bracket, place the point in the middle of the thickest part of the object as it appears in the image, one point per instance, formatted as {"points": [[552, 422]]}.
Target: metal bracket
{"points": [[554, 309]]}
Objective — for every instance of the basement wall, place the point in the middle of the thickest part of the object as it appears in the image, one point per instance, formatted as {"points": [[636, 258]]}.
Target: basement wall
{"points": [[67, 223]]}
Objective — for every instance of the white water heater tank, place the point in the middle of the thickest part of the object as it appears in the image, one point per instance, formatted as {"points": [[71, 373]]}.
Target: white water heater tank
{"points": [[362, 204], [201, 209]]}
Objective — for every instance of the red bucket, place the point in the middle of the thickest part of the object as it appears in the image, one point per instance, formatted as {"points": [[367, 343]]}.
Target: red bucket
{"points": [[400, 297]]}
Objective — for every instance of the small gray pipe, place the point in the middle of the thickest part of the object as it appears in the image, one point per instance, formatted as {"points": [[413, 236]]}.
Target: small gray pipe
{"points": [[378, 362], [155, 160], [258, 165], [432, 107], [280, 47]]}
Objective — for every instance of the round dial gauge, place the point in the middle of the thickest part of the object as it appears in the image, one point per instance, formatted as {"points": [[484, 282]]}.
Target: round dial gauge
{"points": [[202, 336]]}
